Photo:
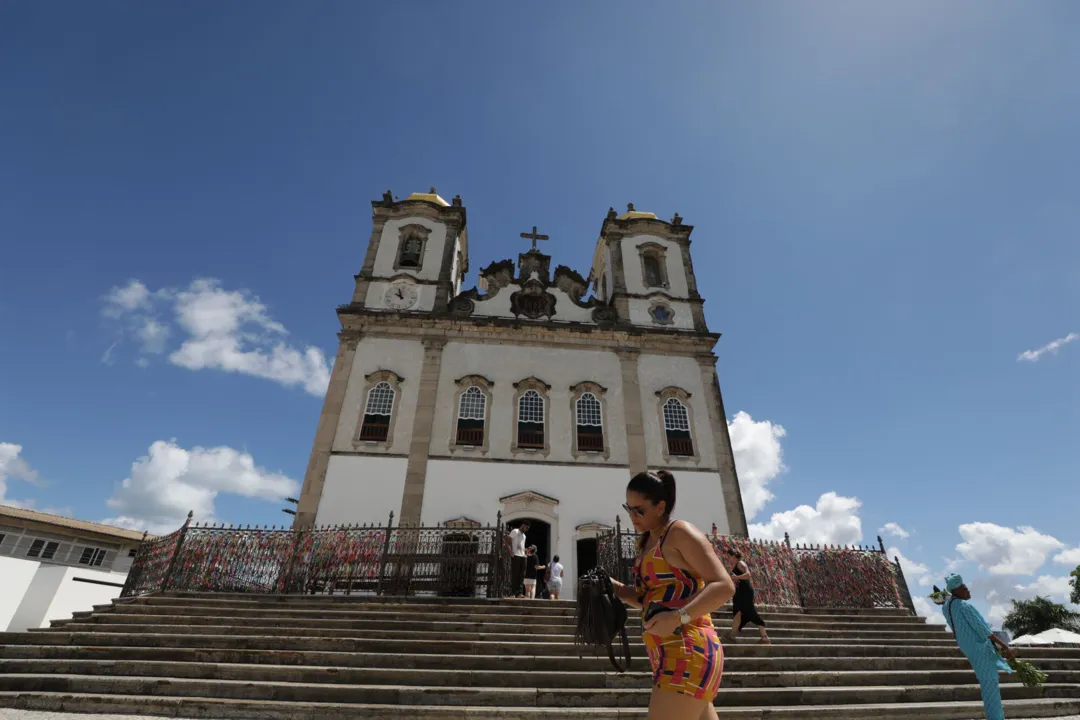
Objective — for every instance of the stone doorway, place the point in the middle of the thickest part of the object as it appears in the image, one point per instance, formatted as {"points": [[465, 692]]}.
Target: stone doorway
{"points": [[587, 557]]}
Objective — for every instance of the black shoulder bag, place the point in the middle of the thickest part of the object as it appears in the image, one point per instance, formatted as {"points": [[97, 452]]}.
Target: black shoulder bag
{"points": [[601, 616]]}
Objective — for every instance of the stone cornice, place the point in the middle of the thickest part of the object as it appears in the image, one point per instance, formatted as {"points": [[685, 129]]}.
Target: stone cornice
{"points": [[356, 318]]}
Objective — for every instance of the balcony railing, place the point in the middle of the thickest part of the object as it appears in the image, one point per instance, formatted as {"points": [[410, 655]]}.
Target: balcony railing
{"points": [[470, 436], [531, 439], [374, 432], [682, 447], [588, 441]]}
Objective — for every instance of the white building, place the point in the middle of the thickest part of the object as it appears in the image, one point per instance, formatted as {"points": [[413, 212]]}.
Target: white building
{"points": [[53, 566], [538, 394]]}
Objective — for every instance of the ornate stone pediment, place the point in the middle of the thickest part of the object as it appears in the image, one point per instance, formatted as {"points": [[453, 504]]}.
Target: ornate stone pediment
{"points": [[528, 501], [533, 301], [570, 282], [496, 276], [534, 262]]}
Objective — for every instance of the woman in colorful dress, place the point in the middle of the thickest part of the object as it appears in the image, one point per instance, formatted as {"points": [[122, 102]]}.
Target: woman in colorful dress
{"points": [[678, 582]]}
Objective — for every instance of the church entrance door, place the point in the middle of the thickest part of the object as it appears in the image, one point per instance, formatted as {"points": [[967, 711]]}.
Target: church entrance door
{"points": [[586, 555]]}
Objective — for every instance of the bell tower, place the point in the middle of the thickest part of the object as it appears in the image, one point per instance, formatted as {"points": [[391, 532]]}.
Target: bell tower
{"points": [[642, 267], [417, 256]]}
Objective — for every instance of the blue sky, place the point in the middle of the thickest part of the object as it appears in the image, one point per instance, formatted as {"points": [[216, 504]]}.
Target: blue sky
{"points": [[884, 197]]}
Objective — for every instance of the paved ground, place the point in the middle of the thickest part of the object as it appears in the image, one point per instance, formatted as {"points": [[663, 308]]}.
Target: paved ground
{"points": [[31, 715]]}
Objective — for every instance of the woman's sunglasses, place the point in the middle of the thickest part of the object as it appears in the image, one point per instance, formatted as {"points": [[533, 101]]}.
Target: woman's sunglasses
{"points": [[634, 511]]}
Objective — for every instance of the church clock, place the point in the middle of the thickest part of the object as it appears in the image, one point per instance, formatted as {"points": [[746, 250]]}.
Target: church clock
{"points": [[400, 296]]}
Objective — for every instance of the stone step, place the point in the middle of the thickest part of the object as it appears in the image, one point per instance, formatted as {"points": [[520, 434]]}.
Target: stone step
{"points": [[275, 710], [492, 678], [457, 630], [437, 613], [732, 662], [564, 606], [503, 696], [489, 647]]}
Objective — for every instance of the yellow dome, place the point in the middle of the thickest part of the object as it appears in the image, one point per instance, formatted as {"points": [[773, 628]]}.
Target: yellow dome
{"points": [[632, 214], [431, 196]]}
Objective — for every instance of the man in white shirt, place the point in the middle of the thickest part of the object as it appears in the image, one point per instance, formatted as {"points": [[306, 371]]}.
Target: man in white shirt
{"points": [[554, 577], [515, 544]]}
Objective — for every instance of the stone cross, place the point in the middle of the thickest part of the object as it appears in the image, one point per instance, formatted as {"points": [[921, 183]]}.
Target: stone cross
{"points": [[534, 236]]}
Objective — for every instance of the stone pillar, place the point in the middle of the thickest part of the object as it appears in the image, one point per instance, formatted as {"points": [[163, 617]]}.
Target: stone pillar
{"points": [[635, 427], [363, 279], [445, 288], [412, 500], [315, 475], [725, 457], [618, 276]]}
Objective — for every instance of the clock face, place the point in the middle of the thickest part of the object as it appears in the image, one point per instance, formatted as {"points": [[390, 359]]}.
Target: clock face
{"points": [[401, 296]]}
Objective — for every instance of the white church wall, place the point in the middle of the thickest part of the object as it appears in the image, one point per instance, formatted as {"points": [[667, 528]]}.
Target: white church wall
{"points": [[388, 248], [497, 305], [376, 296], [585, 494], [406, 359], [17, 574], [54, 594], [507, 364], [639, 313], [567, 311], [676, 272], [361, 489], [656, 372]]}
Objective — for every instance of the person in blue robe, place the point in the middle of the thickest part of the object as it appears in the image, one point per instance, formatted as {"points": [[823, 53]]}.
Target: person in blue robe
{"points": [[977, 641]]}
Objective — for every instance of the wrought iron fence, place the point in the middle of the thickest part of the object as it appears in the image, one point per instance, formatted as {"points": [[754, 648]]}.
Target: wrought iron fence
{"points": [[369, 559], [791, 575]]}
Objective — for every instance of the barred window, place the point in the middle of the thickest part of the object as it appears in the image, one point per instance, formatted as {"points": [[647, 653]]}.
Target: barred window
{"points": [[675, 416], [472, 405], [531, 408], [677, 428], [380, 400], [92, 557], [588, 411], [531, 420], [43, 549], [377, 412]]}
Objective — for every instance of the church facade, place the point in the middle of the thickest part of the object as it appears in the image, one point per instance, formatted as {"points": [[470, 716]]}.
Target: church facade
{"points": [[538, 393]]}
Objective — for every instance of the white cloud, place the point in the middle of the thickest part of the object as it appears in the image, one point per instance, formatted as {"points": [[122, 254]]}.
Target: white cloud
{"points": [[893, 530], [1057, 588], [758, 458], [14, 467], [122, 300], [1051, 347], [915, 573], [835, 521], [107, 356], [226, 330], [1070, 557], [168, 482], [930, 611], [1005, 551]]}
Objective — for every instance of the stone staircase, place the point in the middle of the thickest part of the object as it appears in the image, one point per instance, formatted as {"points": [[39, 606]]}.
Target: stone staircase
{"points": [[297, 657]]}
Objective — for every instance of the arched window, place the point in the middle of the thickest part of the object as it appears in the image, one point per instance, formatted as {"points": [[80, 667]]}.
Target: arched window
{"points": [[412, 252], [654, 276], [590, 424], [531, 420], [677, 428], [472, 409], [377, 413]]}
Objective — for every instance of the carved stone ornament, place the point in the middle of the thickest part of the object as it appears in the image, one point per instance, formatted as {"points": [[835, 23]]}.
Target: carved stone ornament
{"points": [[462, 306], [605, 316], [570, 282], [533, 301], [496, 276], [534, 262]]}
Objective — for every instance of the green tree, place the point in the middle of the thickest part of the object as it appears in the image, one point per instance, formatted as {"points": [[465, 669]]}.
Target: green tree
{"points": [[1075, 597], [1028, 617]]}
